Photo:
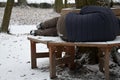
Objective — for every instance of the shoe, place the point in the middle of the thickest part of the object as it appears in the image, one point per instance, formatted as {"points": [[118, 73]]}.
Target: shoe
{"points": [[32, 32], [39, 26]]}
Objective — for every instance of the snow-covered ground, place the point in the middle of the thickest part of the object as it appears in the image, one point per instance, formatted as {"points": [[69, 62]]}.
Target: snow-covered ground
{"points": [[40, 1], [15, 61], [48, 1], [15, 48], [15, 55]]}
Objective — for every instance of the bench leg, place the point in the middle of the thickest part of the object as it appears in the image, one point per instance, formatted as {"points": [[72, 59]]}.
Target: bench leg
{"points": [[33, 55], [52, 62], [71, 51], [107, 53]]}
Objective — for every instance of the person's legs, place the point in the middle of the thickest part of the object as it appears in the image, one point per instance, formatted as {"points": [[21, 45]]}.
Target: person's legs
{"points": [[47, 28], [48, 23], [46, 32]]}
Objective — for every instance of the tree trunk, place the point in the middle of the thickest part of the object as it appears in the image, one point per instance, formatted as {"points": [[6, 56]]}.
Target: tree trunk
{"points": [[22, 2], [7, 15], [91, 2], [58, 5], [65, 3], [82, 3], [111, 3], [77, 3]]}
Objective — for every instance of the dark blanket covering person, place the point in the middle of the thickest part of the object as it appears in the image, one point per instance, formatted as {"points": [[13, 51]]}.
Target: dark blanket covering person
{"points": [[92, 24]]}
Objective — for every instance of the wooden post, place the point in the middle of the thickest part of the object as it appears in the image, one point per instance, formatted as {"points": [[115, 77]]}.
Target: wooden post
{"points": [[107, 53], [33, 54], [104, 63], [52, 61]]}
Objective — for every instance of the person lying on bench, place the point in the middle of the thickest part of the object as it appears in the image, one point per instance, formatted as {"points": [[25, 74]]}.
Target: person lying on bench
{"points": [[92, 24]]}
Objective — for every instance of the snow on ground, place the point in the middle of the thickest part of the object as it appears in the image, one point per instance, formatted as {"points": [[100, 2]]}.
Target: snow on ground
{"points": [[15, 59], [21, 29], [15, 55], [40, 1], [28, 15], [48, 1], [15, 48]]}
